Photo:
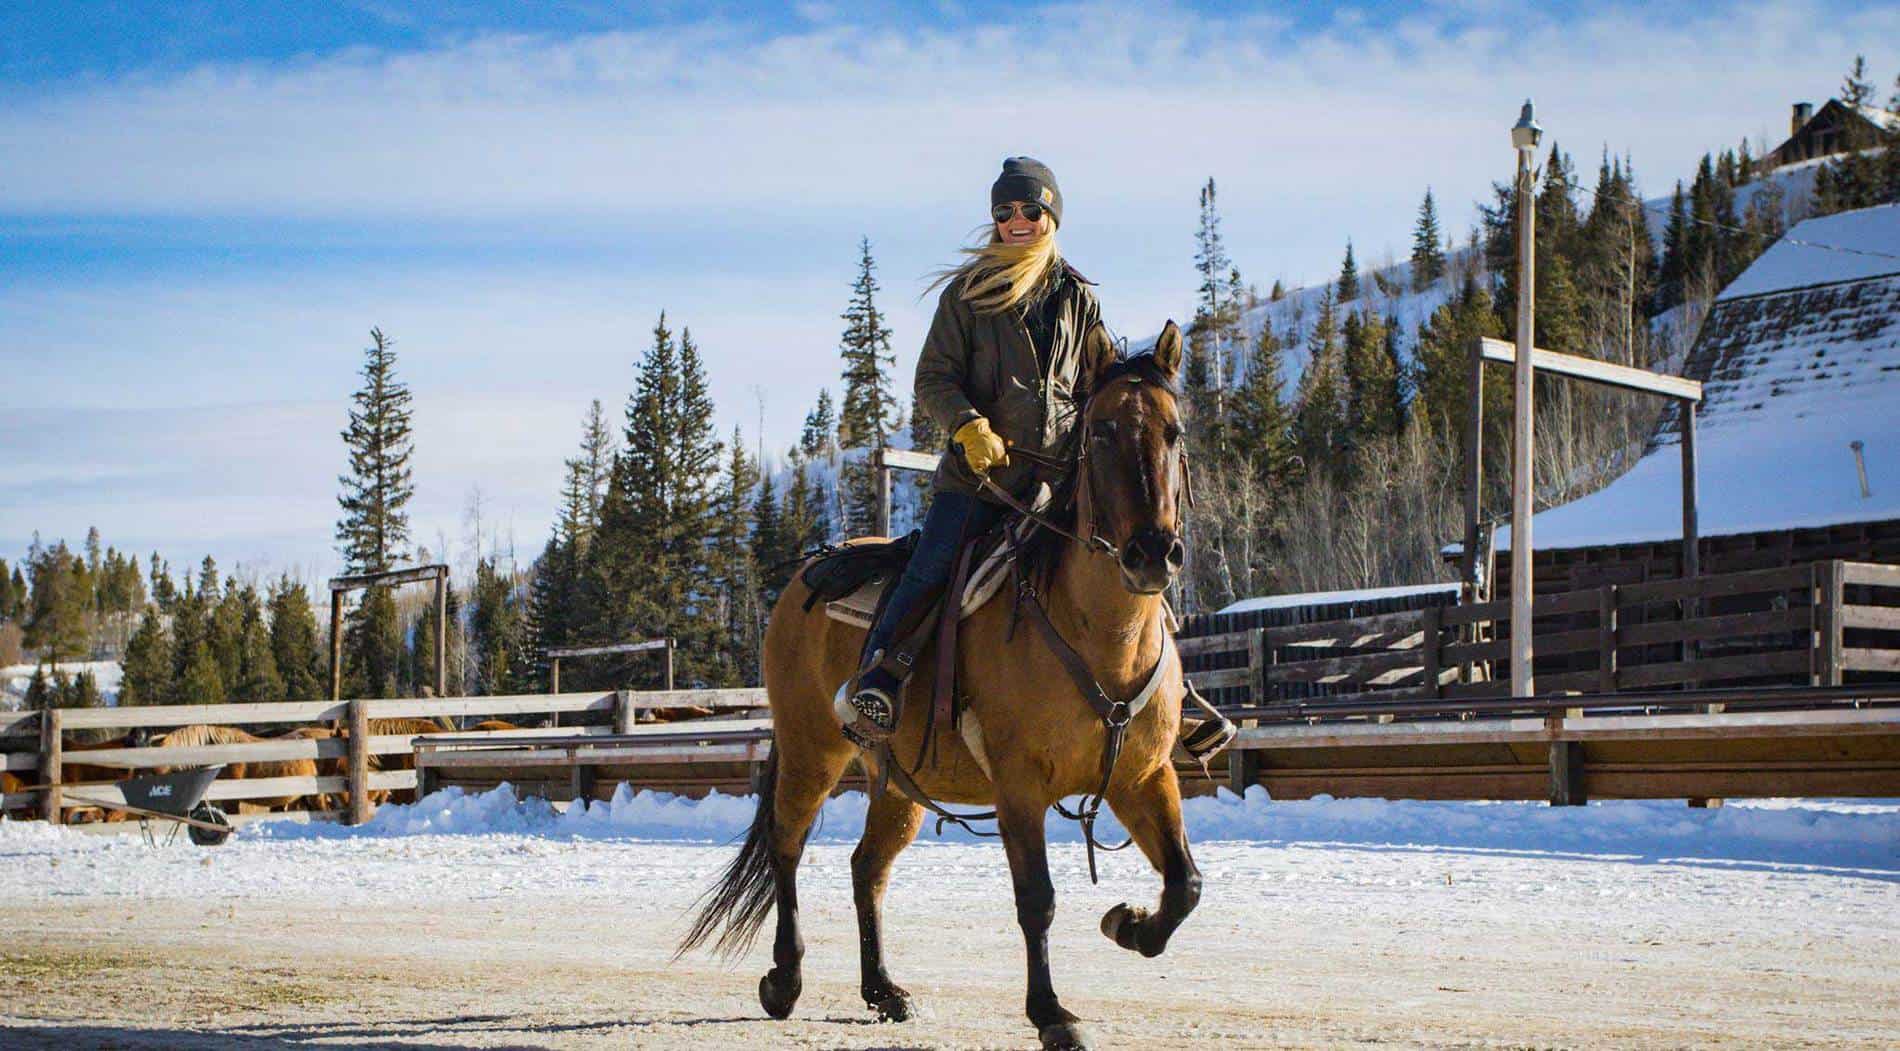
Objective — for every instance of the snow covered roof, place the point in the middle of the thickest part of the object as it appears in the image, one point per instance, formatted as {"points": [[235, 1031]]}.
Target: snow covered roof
{"points": [[1799, 357], [1330, 598], [1864, 243]]}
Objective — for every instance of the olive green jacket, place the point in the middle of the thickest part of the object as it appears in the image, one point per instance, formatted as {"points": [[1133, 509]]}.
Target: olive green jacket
{"points": [[985, 365]]}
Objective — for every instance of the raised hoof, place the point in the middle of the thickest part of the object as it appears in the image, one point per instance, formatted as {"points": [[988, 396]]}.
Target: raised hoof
{"points": [[1122, 925], [778, 998], [1064, 1036], [896, 1007]]}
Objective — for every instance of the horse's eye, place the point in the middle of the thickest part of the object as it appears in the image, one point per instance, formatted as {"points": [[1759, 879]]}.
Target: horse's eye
{"points": [[1104, 430], [1172, 433]]}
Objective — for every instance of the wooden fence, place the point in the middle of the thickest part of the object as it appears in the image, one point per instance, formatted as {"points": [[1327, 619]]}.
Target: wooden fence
{"points": [[36, 750], [1822, 624]]}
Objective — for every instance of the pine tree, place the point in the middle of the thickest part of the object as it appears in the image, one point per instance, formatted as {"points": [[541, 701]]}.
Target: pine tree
{"points": [[200, 683], [40, 693], [58, 603], [647, 570], [147, 668], [1262, 428], [495, 628], [82, 691], [258, 679], [1319, 416], [1348, 285], [1372, 409], [819, 435], [735, 572], [294, 641], [870, 407], [164, 590], [1278, 293], [1211, 330], [373, 534], [592, 470], [420, 655], [225, 636], [772, 547], [1428, 251]]}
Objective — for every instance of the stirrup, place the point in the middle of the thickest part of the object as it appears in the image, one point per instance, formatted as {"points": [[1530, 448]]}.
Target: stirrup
{"points": [[1204, 740], [867, 714]]}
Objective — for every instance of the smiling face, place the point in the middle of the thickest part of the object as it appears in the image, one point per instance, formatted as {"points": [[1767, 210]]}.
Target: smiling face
{"points": [[1018, 229], [1136, 465]]}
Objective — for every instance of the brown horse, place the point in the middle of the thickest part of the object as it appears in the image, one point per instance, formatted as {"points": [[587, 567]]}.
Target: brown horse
{"points": [[201, 735], [1028, 736]]}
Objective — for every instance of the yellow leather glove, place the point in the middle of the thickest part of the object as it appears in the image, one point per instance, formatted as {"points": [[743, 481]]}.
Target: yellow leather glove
{"points": [[982, 447]]}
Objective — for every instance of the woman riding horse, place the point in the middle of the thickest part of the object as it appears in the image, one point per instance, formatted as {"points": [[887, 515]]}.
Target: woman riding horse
{"points": [[997, 370]]}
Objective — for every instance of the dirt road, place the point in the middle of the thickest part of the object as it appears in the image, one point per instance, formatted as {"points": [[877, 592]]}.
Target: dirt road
{"points": [[1293, 947]]}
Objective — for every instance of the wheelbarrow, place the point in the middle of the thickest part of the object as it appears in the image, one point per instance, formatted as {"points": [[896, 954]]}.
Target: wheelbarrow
{"points": [[177, 797]]}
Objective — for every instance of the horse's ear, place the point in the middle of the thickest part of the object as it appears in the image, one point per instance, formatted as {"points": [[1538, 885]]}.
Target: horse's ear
{"points": [[1168, 349]]}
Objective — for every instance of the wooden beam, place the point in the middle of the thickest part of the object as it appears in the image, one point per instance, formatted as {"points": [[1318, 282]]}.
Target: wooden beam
{"points": [[906, 460], [1566, 774], [395, 576], [1590, 370], [620, 647]]}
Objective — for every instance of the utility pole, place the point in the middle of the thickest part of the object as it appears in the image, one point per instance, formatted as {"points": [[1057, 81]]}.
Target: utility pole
{"points": [[1524, 138]]}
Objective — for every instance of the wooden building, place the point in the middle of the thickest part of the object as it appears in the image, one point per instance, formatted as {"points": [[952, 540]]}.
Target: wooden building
{"points": [[1836, 128], [1798, 433]]}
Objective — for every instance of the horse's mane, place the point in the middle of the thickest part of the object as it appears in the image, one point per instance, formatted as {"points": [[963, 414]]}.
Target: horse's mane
{"points": [[199, 735]]}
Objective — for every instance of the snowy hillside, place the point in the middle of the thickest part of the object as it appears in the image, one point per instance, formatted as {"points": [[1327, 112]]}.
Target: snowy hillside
{"points": [[14, 679]]}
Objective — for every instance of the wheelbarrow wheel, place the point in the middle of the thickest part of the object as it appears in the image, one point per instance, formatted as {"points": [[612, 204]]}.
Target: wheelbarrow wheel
{"points": [[210, 815]]}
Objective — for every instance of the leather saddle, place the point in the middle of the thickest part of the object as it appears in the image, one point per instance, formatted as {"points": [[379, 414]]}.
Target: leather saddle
{"points": [[857, 601]]}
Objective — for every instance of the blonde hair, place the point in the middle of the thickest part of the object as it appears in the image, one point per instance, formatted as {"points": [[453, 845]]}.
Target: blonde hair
{"points": [[998, 276]]}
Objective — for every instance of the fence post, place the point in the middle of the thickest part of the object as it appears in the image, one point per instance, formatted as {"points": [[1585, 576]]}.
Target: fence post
{"points": [[1833, 597], [623, 711], [670, 644], [50, 772], [1430, 620], [336, 645], [1243, 769], [1606, 639], [358, 779]]}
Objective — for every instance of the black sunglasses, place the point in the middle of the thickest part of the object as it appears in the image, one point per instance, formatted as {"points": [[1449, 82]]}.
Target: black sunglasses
{"points": [[1031, 211]]}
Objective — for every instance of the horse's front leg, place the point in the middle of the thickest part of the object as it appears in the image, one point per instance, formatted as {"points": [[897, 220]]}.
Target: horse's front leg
{"points": [[1150, 810], [1023, 841]]}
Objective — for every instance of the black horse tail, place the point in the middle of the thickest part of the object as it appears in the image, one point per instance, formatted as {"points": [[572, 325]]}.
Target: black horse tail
{"points": [[744, 895]]}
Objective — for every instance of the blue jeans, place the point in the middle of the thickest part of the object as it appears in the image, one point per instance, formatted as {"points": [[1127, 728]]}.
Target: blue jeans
{"points": [[951, 517]]}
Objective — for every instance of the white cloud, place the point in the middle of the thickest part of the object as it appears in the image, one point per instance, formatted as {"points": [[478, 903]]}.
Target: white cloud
{"points": [[726, 177]]}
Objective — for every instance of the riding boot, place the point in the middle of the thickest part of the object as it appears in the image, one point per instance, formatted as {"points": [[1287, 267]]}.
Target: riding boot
{"points": [[868, 711], [1202, 739]]}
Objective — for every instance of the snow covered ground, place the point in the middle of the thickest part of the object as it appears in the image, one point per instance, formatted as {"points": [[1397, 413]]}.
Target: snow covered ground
{"points": [[481, 921]]}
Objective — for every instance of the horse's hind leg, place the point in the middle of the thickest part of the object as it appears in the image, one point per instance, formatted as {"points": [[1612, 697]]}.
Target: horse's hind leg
{"points": [[804, 780], [889, 827], [1151, 811]]}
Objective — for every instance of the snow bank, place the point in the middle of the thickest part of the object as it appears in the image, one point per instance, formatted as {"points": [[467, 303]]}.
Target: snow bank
{"points": [[1861, 835], [14, 679]]}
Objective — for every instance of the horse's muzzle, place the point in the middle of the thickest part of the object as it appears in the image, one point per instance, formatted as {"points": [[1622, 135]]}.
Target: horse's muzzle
{"points": [[1151, 558]]}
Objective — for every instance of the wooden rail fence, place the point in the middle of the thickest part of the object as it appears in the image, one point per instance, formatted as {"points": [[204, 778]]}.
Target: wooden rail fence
{"points": [[36, 750]]}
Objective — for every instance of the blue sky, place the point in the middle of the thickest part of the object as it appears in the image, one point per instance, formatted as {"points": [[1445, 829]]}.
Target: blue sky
{"points": [[204, 207]]}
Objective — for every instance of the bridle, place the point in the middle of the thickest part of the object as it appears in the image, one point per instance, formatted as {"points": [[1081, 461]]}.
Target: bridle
{"points": [[1076, 466]]}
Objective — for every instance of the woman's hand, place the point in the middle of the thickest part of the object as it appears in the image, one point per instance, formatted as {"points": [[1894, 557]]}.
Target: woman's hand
{"points": [[982, 447]]}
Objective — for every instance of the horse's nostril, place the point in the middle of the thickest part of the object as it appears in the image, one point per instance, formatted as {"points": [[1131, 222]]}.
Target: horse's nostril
{"points": [[1177, 554], [1133, 557]]}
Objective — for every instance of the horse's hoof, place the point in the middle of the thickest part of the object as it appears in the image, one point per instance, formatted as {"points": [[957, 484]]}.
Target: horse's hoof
{"points": [[1122, 923], [896, 1007], [779, 997], [1064, 1036]]}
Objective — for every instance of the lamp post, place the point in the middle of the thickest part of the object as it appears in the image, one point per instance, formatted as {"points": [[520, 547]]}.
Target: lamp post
{"points": [[1525, 136]]}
